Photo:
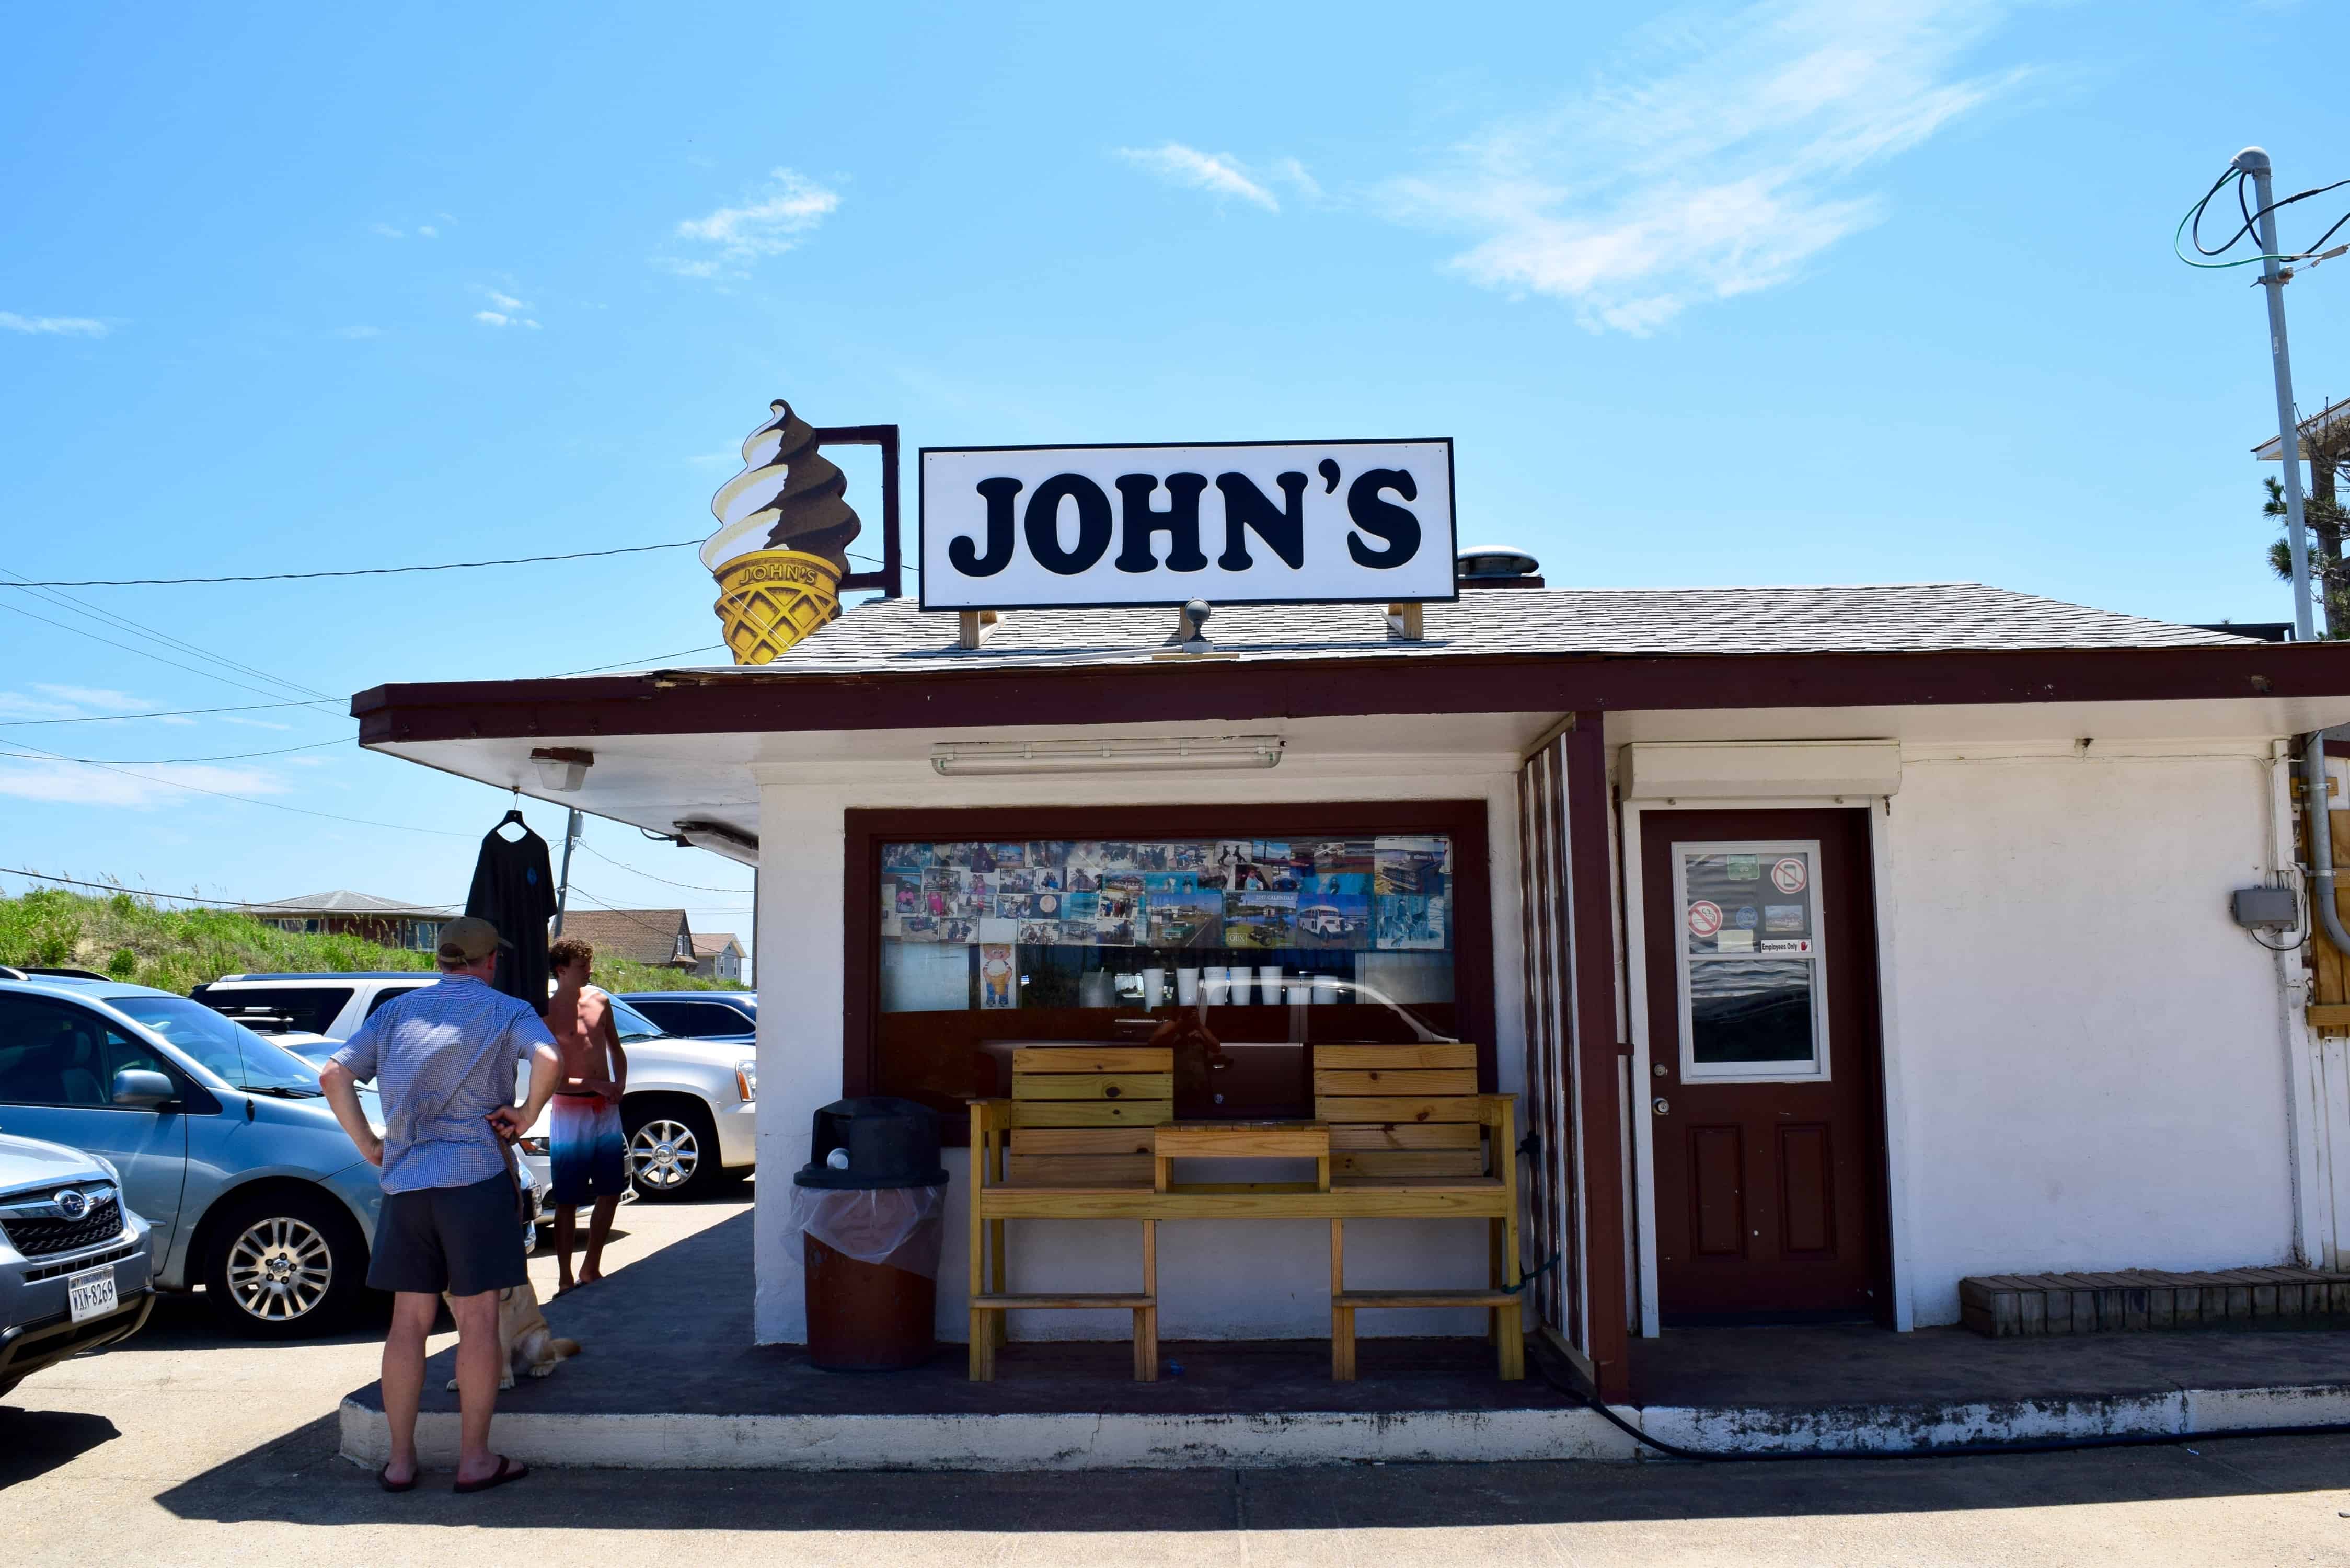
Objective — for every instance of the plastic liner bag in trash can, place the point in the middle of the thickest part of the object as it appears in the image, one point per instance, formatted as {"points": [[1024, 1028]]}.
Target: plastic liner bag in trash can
{"points": [[891, 1225]]}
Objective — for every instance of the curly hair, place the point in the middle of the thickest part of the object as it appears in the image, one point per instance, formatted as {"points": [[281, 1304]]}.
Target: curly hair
{"points": [[565, 951]]}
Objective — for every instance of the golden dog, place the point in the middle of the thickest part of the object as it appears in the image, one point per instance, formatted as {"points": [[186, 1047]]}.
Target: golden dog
{"points": [[525, 1342]]}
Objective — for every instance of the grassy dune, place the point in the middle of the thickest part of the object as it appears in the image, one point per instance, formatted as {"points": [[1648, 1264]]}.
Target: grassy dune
{"points": [[137, 940]]}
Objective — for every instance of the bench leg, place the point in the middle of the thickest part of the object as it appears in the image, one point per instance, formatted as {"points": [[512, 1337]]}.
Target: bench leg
{"points": [[1146, 1344], [982, 1345], [1342, 1344], [996, 1263], [1513, 1342]]}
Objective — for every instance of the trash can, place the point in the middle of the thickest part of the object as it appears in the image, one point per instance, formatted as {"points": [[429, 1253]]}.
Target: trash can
{"points": [[870, 1205]]}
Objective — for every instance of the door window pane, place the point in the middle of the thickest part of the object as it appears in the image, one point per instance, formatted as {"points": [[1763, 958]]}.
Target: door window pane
{"points": [[50, 1054], [1750, 959]]}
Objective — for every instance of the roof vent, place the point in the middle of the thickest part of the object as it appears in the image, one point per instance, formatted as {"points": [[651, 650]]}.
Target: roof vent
{"points": [[1496, 566]]}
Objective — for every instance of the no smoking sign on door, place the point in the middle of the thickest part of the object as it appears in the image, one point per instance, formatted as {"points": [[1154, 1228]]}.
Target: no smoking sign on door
{"points": [[1704, 918]]}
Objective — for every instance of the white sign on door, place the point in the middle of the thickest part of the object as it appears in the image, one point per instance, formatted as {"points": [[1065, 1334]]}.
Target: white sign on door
{"points": [[1230, 523]]}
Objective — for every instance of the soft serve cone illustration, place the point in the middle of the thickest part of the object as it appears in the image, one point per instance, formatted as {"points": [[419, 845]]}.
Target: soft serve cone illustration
{"points": [[782, 544]]}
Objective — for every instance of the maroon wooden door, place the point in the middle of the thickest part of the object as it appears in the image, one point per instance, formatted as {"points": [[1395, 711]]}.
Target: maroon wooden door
{"points": [[1765, 1098]]}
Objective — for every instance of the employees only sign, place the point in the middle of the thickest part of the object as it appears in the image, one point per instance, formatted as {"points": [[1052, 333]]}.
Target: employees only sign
{"points": [[1234, 523]]}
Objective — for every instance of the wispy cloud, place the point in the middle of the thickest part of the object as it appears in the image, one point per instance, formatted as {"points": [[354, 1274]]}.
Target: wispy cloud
{"points": [[1721, 155], [359, 331], [239, 718], [1220, 174], [49, 701], [72, 784], [387, 230], [767, 223], [508, 312], [426, 231], [52, 325]]}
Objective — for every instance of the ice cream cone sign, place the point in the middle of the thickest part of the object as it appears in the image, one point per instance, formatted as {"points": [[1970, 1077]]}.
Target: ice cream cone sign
{"points": [[782, 544]]}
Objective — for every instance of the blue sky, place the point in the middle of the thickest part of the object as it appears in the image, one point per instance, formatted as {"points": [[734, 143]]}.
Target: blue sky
{"points": [[1813, 292]]}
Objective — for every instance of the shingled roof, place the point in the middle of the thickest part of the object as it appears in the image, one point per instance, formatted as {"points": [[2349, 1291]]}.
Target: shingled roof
{"points": [[896, 636]]}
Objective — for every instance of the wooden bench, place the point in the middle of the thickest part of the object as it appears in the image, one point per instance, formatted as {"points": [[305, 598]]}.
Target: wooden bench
{"points": [[1079, 1122], [1401, 1133], [1408, 1119]]}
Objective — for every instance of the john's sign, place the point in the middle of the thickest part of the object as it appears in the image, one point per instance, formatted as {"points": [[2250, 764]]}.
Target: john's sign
{"points": [[1298, 521]]}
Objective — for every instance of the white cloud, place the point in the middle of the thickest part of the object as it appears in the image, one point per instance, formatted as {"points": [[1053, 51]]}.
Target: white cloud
{"points": [[387, 230], [359, 331], [73, 783], [505, 301], [492, 317], [428, 232], [1218, 173], [768, 223], [52, 325], [68, 702], [103, 698], [252, 723], [1717, 159]]}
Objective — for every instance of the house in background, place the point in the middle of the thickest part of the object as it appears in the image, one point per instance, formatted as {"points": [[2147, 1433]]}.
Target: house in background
{"points": [[657, 936], [390, 922], [718, 956]]}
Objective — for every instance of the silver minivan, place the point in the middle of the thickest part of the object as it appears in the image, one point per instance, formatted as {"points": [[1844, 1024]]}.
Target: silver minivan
{"points": [[224, 1144]]}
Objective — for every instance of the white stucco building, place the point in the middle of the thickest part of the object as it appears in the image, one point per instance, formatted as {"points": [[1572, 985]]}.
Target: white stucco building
{"points": [[1839, 942]]}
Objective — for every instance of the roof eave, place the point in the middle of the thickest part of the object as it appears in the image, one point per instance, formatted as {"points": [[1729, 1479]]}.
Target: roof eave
{"points": [[752, 701]]}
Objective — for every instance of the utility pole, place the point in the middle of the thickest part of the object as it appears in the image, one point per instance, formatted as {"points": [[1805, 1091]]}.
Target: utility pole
{"points": [[2254, 161], [571, 836]]}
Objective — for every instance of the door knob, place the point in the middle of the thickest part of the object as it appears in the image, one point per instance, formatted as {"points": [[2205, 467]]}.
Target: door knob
{"points": [[1661, 1106]]}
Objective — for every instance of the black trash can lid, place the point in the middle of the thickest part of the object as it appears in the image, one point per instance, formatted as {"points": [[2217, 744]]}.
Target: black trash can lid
{"points": [[885, 1141]]}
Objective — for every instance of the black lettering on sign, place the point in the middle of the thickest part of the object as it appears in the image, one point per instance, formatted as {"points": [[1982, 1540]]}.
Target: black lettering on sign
{"points": [[1044, 524], [1245, 508], [969, 561], [1381, 518], [1180, 522]]}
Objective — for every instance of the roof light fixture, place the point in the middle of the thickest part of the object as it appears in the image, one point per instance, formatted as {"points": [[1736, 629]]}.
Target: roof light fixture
{"points": [[562, 768], [720, 839], [1177, 753]]}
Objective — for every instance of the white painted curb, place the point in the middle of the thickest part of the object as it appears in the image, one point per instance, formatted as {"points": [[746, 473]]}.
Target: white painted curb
{"points": [[1078, 1442], [1009, 1442]]}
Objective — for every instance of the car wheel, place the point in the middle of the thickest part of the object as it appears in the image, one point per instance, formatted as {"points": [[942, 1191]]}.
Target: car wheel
{"points": [[286, 1266], [673, 1150]]}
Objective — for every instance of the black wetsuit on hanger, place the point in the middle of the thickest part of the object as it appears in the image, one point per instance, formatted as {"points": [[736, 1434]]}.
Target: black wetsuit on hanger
{"points": [[514, 889]]}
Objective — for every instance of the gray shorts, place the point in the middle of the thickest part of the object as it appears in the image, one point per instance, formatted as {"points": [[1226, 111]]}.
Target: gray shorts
{"points": [[461, 1239]]}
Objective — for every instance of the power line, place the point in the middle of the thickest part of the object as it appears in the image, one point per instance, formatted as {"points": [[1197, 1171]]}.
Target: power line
{"points": [[118, 888], [689, 886], [108, 618], [174, 762], [349, 572], [207, 674], [245, 799], [639, 663], [167, 713], [2190, 227]]}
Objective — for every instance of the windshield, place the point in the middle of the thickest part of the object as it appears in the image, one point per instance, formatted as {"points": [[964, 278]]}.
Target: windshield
{"points": [[632, 1024], [236, 1054]]}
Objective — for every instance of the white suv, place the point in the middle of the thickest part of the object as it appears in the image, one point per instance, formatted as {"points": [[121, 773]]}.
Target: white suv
{"points": [[690, 1115]]}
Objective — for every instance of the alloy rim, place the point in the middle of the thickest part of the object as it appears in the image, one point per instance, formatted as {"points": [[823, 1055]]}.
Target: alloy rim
{"points": [[665, 1154], [279, 1268]]}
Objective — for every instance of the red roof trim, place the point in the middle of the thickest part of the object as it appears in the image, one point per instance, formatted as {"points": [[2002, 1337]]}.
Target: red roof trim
{"points": [[685, 702]]}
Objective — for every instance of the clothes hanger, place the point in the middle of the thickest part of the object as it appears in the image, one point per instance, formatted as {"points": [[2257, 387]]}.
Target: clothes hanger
{"points": [[513, 818]]}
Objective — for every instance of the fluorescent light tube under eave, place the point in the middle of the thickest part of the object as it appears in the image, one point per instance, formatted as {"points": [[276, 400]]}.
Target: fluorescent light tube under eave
{"points": [[1221, 756]]}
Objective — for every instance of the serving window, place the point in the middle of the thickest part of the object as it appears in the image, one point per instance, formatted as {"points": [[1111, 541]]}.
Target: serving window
{"points": [[1242, 941]]}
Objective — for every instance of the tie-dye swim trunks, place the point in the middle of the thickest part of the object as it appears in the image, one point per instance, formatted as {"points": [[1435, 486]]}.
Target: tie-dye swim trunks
{"points": [[586, 1150]]}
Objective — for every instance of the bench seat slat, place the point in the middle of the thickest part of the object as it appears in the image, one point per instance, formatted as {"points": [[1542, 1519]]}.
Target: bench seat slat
{"points": [[1091, 1112], [1400, 1057], [1485, 1298], [1081, 1141], [1079, 1170], [1093, 1086], [1409, 1162], [1079, 1302], [1369, 1135], [1401, 1108], [1395, 1081], [1092, 1059]]}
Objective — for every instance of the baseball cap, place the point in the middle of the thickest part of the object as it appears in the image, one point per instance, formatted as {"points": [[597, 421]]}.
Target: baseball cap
{"points": [[469, 940]]}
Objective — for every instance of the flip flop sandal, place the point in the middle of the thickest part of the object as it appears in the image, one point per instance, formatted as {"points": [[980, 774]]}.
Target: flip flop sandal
{"points": [[507, 1470], [383, 1479]]}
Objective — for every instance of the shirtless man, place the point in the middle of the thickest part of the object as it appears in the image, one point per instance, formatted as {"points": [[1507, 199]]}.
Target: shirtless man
{"points": [[586, 1111]]}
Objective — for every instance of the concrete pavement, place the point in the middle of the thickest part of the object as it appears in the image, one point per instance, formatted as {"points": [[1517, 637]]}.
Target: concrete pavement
{"points": [[188, 1448]]}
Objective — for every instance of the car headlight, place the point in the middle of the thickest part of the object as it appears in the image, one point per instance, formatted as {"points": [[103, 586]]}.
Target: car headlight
{"points": [[746, 1078]]}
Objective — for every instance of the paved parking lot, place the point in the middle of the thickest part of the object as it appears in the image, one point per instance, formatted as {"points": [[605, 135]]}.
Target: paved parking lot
{"points": [[189, 1448]]}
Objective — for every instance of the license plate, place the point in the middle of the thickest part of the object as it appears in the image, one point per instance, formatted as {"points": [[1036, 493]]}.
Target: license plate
{"points": [[91, 1294]]}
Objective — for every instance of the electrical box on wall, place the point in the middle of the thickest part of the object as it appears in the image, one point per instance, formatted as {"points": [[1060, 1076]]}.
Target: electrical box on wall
{"points": [[2267, 908]]}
